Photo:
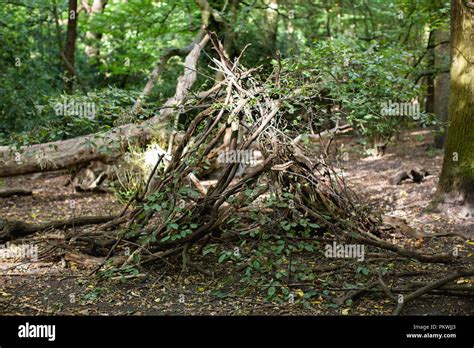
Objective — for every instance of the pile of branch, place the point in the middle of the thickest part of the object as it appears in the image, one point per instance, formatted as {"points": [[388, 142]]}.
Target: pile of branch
{"points": [[176, 215], [177, 212]]}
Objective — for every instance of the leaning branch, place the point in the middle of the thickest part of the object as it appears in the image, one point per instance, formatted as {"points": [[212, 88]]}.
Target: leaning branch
{"points": [[206, 14]]}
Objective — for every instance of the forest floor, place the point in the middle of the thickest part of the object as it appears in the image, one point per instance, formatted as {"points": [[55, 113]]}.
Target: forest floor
{"points": [[52, 286]]}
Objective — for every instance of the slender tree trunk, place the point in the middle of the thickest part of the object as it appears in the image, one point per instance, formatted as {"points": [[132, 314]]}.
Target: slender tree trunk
{"points": [[93, 39], [271, 29], [456, 184], [328, 21], [430, 90], [69, 50], [437, 99], [441, 81], [229, 34]]}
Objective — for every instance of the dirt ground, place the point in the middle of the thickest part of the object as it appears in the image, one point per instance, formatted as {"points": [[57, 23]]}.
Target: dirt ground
{"points": [[53, 286]]}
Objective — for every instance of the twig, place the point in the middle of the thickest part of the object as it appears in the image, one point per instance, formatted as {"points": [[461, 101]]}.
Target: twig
{"points": [[385, 287]]}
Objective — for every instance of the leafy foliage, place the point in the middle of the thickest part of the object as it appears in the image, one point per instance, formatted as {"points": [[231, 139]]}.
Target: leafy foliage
{"points": [[352, 81]]}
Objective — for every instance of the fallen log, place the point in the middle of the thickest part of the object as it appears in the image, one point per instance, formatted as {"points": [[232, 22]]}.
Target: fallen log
{"points": [[15, 192], [398, 178], [82, 259], [91, 261], [415, 175], [12, 229], [68, 153]]}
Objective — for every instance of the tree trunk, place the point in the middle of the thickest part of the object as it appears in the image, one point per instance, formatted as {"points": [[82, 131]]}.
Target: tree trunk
{"points": [[456, 184], [438, 82], [69, 50]]}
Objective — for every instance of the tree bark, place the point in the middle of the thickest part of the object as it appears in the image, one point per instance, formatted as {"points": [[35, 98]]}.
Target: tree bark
{"points": [[70, 48], [456, 184]]}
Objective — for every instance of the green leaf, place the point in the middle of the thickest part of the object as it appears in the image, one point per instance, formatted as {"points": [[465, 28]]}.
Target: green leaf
{"points": [[363, 270]]}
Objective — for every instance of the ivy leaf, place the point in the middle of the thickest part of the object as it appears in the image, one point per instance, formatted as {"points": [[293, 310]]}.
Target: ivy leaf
{"points": [[222, 258]]}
